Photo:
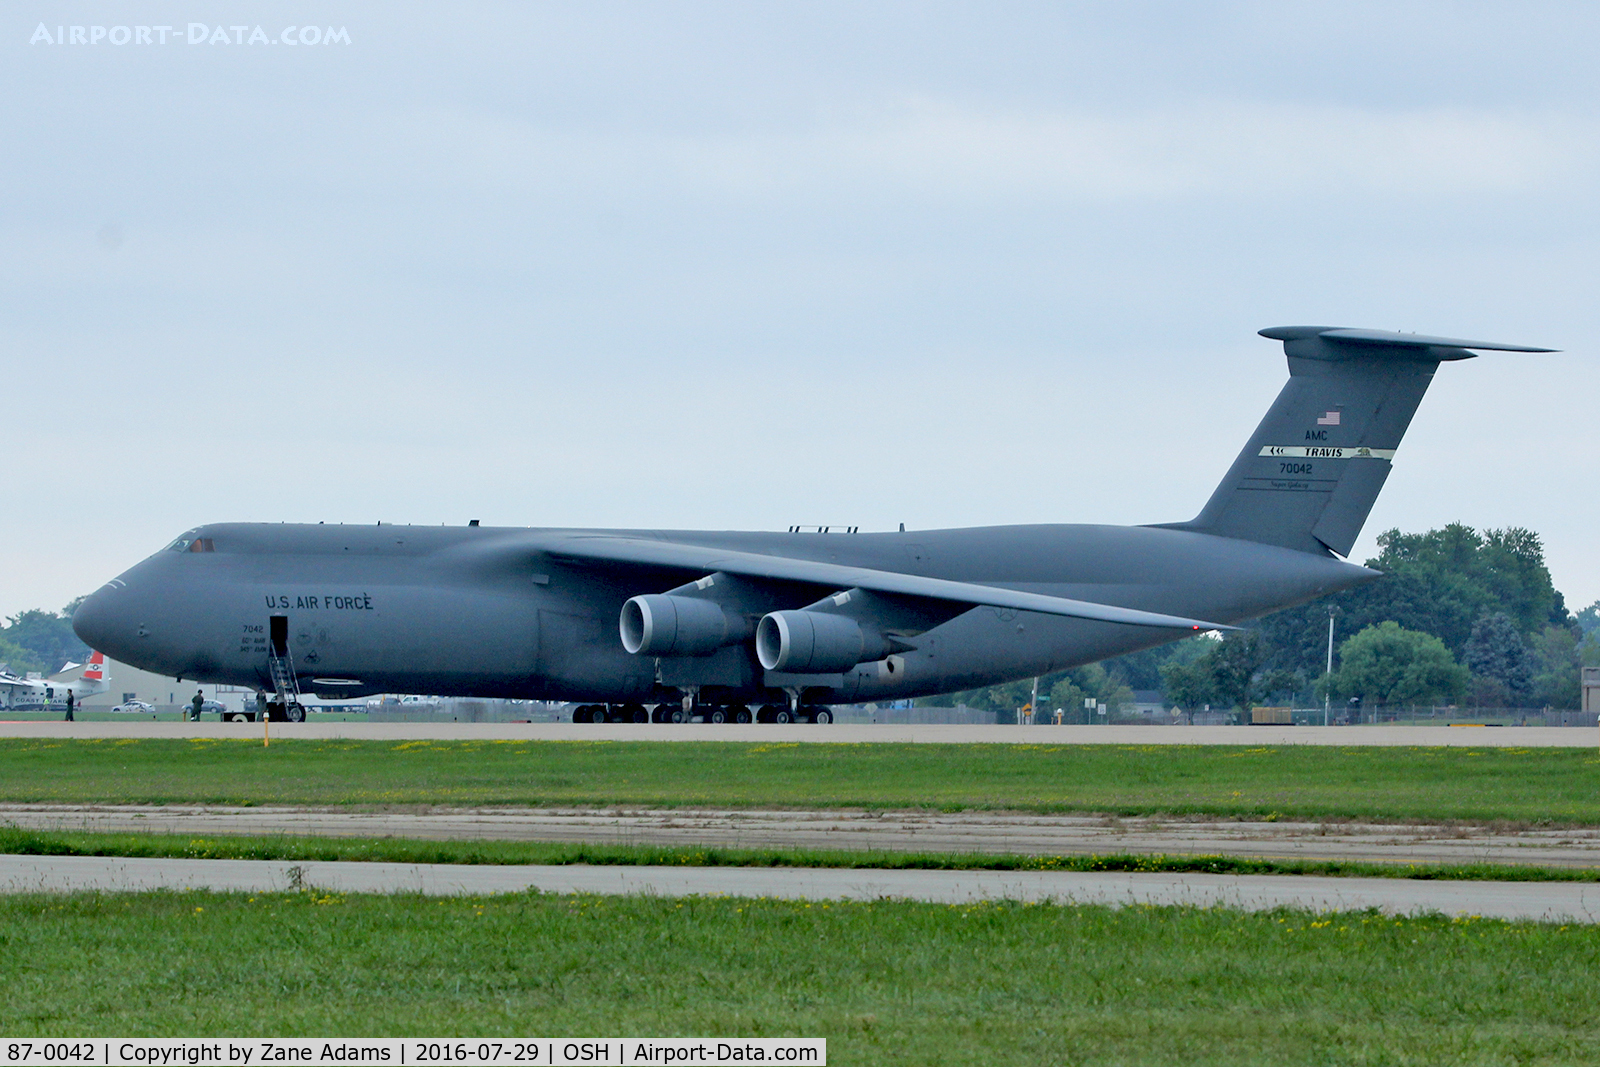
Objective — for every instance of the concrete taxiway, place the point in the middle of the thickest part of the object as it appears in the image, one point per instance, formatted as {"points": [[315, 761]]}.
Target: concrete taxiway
{"points": [[1549, 901], [851, 829], [837, 733]]}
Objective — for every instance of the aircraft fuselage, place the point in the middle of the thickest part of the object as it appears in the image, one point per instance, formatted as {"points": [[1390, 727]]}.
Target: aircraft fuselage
{"points": [[481, 611]]}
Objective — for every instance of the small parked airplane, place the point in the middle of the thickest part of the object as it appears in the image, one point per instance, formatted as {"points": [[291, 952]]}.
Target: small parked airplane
{"points": [[41, 694]]}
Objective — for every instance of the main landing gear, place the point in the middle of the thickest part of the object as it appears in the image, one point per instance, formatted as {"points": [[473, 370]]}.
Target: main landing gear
{"points": [[610, 713], [703, 713], [782, 714]]}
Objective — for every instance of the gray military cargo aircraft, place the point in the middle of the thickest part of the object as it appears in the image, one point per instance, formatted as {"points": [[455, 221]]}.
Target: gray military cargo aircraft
{"points": [[777, 626]]}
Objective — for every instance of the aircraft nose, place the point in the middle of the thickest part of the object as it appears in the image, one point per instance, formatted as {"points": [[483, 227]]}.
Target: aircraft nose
{"points": [[99, 621]]}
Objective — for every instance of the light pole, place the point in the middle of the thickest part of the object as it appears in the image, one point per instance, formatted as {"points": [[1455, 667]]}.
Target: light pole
{"points": [[1327, 680]]}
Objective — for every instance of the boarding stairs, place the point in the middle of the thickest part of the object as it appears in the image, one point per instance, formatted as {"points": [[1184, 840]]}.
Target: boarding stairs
{"points": [[285, 684]]}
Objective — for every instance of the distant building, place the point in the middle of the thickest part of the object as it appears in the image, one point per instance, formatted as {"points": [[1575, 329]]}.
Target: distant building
{"points": [[125, 683], [1591, 689], [1149, 702]]}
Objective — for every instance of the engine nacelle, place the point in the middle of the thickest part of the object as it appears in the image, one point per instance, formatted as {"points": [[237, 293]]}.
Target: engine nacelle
{"points": [[814, 642], [657, 624]]}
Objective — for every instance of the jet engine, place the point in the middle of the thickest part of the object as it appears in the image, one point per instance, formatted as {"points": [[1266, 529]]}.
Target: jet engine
{"points": [[658, 624], [814, 642]]}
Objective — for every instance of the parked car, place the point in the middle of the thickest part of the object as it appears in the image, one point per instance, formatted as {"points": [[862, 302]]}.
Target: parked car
{"points": [[209, 707], [134, 707]]}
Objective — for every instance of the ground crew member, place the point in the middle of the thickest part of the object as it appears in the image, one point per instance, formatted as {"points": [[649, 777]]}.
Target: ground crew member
{"points": [[69, 706], [197, 703]]}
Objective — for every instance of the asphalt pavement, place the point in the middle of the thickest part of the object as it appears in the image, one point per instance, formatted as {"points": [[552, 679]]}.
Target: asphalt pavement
{"points": [[839, 733], [1548, 901]]}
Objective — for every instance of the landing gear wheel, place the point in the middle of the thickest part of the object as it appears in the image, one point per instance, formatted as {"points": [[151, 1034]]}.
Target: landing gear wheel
{"points": [[661, 714], [783, 716], [741, 714], [717, 715], [823, 716], [295, 713], [679, 715], [634, 713]]}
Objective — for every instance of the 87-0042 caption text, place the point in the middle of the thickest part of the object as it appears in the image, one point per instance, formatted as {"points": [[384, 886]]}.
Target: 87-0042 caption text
{"points": [[409, 1052]]}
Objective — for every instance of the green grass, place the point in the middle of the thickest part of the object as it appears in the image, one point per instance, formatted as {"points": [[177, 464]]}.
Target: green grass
{"points": [[884, 982], [21, 842], [1539, 786]]}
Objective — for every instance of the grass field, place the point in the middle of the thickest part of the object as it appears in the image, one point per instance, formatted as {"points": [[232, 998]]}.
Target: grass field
{"points": [[883, 982], [1529, 786], [20, 842]]}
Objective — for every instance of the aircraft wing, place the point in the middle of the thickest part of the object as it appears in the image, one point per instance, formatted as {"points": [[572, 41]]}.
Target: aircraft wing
{"points": [[784, 568]]}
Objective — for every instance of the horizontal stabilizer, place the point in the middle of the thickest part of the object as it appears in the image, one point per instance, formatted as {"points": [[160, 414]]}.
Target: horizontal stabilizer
{"points": [[1307, 340], [835, 576]]}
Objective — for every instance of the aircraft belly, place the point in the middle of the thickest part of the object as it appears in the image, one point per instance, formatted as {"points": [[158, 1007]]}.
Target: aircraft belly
{"points": [[580, 657]]}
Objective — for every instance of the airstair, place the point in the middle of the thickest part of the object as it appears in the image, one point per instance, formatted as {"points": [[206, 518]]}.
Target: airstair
{"points": [[281, 667], [284, 682]]}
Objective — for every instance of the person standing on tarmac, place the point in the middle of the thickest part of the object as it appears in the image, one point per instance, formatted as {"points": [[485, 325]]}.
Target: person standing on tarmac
{"points": [[197, 703], [69, 706]]}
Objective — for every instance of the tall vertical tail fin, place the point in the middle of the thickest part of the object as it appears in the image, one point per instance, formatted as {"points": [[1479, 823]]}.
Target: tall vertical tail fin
{"points": [[95, 669], [1313, 468]]}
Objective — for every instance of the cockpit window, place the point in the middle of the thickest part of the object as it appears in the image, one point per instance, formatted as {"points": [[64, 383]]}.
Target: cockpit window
{"points": [[192, 544]]}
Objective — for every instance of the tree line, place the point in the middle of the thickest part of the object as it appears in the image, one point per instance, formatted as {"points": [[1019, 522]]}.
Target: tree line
{"points": [[41, 641], [1459, 617]]}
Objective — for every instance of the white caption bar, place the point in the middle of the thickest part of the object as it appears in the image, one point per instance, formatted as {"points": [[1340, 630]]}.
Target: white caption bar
{"points": [[1325, 452], [408, 1052]]}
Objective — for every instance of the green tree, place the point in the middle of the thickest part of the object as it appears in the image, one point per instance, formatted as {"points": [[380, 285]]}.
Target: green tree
{"points": [[1440, 582], [1189, 685], [1497, 653], [1589, 650], [1069, 697], [1388, 664], [1233, 664], [18, 660], [1106, 685], [1277, 685], [1558, 667], [1224, 676], [46, 638]]}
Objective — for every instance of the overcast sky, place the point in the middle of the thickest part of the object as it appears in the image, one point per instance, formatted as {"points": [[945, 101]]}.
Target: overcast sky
{"points": [[749, 265]]}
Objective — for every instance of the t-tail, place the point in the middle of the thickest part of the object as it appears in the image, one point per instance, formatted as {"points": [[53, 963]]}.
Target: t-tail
{"points": [[1313, 468]]}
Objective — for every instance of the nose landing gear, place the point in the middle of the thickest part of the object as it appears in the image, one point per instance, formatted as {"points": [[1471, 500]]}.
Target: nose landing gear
{"points": [[292, 711]]}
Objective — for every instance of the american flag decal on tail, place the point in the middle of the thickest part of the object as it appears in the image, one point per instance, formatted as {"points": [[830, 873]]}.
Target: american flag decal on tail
{"points": [[1330, 419]]}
